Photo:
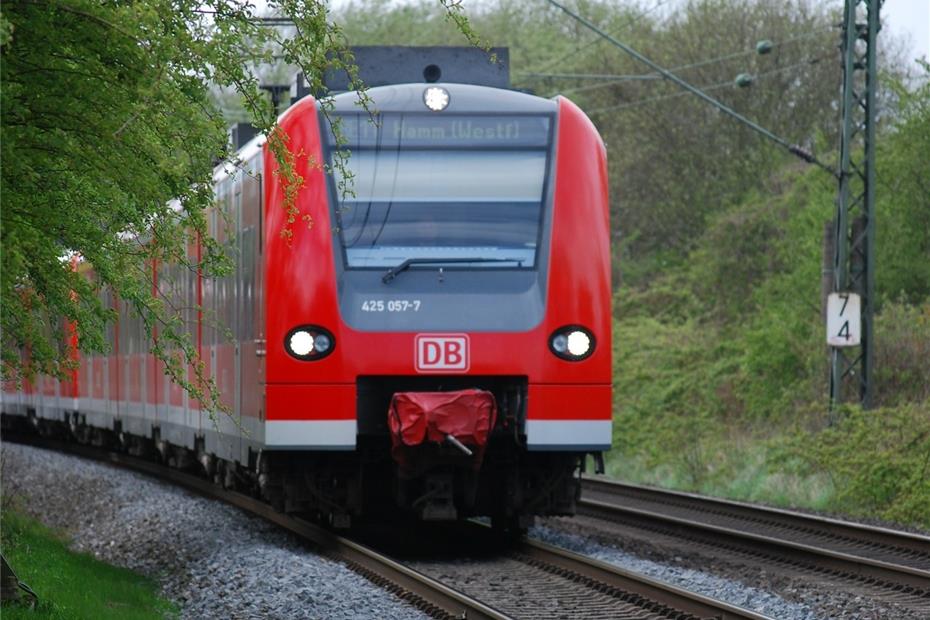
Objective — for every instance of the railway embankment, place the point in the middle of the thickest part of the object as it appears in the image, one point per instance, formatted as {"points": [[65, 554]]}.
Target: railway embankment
{"points": [[52, 581], [720, 360], [210, 559]]}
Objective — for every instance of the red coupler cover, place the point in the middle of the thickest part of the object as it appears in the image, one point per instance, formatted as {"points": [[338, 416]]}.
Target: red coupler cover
{"points": [[418, 417]]}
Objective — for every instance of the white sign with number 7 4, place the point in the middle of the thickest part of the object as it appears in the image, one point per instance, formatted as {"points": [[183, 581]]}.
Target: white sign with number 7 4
{"points": [[844, 322]]}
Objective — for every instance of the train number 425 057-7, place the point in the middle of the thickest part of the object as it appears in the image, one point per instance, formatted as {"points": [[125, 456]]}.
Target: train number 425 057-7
{"points": [[391, 305]]}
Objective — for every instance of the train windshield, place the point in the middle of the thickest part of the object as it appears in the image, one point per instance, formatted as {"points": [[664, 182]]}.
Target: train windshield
{"points": [[433, 186]]}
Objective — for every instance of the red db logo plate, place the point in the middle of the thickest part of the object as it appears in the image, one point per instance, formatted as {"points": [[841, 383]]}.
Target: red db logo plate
{"points": [[442, 353]]}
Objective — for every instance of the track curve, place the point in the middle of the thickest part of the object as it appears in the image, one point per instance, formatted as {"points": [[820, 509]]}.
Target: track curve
{"points": [[592, 589], [895, 565]]}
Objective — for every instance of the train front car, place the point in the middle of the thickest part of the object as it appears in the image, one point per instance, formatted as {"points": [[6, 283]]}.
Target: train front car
{"points": [[438, 310]]}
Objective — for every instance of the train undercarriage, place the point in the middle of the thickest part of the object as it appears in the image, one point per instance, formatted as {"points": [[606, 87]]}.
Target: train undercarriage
{"points": [[511, 487]]}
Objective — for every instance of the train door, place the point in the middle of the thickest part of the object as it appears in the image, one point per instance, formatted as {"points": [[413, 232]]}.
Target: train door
{"points": [[94, 392], [153, 368], [114, 391], [142, 353], [139, 352], [249, 302], [110, 406], [224, 434], [195, 328], [162, 382], [235, 303], [85, 381], [192, 333], [122, 358], [209, 338], [175, 289], [130, 370]]}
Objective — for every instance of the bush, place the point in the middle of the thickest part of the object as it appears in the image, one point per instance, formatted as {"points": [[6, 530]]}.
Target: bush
{"points": [[670, 393], [878, 460], [721, 353], [902, 354]]}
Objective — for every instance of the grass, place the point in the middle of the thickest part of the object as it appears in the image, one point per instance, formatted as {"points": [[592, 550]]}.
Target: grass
{"points": [[740, 412], [871, 464], [743, 470], [72, 585]]}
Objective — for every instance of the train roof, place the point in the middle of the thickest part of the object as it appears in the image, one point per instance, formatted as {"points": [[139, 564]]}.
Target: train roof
{"points": [[463, 98]]}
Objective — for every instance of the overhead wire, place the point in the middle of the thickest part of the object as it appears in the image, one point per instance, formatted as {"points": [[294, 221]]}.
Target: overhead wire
{"points": [[596, 40], [693, 65], [591, 76], [707, 87], [794, 149]]}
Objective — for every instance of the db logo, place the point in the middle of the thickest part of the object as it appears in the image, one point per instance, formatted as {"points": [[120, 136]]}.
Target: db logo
{"points": [[441, 353]]}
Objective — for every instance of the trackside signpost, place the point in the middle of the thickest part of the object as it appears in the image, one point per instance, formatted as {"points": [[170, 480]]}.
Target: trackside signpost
{"points": [[844, 320], [854, 225]]}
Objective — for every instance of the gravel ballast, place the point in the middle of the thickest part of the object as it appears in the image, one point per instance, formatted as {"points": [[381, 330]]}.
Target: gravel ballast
{"points": [[716, 587], [212, 559], [777, 591]]}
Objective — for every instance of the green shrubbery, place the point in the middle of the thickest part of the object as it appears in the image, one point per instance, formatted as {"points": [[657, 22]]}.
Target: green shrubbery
{"points": [[721, 365], [902, 357], [878, 461]]}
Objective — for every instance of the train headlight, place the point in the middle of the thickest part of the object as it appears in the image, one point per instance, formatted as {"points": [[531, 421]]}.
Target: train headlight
{"points": [[572, 343], [309, 342], [579, 343], [436, 98], [300, 343]]}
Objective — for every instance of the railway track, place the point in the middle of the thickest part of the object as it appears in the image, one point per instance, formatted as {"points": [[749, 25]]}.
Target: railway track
{"points": [[530, 579], [533, 579], [428, 595], [888, 563]]}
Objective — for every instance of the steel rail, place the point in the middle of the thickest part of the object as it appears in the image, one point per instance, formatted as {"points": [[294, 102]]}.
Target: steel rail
{"points": [[678, 598], [659, 506], [375, 566]]}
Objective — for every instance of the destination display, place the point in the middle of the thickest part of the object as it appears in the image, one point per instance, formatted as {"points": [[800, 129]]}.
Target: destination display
{"points": [[442, 130]]}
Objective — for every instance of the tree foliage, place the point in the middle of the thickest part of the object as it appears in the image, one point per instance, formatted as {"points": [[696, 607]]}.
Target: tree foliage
{"points": [[724, 355], [109, 141]]}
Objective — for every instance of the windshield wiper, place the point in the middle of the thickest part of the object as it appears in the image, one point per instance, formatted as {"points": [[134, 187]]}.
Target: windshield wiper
{"points": [[404, 266]]}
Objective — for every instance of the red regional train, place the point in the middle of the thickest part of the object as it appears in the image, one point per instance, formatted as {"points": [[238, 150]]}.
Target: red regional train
{"points": [[438, 342]]}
